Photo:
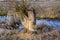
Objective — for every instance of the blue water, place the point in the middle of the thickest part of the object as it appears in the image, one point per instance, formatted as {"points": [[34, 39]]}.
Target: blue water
{"points": [[49, 22], [3, 19], [54, 23]]}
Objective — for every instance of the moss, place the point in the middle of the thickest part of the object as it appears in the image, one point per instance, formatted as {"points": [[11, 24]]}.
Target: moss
{"points": [[2, 13]]}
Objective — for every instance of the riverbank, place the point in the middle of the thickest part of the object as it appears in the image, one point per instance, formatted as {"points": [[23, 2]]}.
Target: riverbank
{"points": [[43, 32], [3, 13]]}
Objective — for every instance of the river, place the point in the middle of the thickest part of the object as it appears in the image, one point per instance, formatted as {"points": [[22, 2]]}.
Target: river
{"points": [[49, 22]]}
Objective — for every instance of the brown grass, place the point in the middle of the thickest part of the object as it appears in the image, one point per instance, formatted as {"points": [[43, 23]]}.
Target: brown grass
{"points": [[50, 34], [43, 32]]}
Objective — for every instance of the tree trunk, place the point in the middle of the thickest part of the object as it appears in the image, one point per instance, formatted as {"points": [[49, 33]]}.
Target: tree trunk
{"points": [[29, 21]]}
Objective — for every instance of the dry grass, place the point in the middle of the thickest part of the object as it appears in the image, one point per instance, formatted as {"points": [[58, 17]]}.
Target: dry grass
{"points": [[43, 32]]}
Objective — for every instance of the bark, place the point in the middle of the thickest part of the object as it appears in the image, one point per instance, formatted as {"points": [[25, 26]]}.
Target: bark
{"points": [[29, 22]]}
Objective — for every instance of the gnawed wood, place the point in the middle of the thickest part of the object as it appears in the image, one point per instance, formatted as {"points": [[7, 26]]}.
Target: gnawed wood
{"points": [[29, 21]]}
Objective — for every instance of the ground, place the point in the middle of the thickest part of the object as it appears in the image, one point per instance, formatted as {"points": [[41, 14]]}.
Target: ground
{"points": [[43, 32]]}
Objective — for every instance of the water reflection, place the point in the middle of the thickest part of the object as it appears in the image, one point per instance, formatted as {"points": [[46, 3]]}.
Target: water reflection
{"points": [[54, 23]]}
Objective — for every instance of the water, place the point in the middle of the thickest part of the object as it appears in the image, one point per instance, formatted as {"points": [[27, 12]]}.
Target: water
{"points": [[50, 22], [54, 23], [3, 19]]}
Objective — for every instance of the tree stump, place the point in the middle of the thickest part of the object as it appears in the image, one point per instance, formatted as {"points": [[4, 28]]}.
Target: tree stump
{"points": [[28, 22]]}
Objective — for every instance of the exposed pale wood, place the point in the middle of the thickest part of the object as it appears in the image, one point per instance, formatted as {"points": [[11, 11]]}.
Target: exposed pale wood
{"points": [[28, 22]]}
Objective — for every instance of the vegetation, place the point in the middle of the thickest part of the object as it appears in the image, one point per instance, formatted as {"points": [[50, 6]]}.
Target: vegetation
{"points": [[21, 9], [31, 31], [43, 32], [2, 13], [52, 12], [27, 16]]}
